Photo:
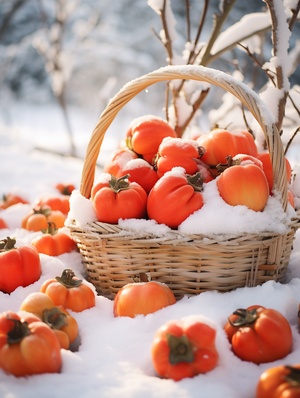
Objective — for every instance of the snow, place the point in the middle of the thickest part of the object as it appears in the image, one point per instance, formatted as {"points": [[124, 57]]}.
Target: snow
{"points": [[112, 357], [240, 31]]}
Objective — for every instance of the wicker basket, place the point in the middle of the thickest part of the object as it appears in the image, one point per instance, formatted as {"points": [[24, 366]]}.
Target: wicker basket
{"points": [[189, 264]]}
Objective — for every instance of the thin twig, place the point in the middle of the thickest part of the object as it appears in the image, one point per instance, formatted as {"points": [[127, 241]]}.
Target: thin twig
{"points": [[168, 42], [291, 140], [268, 72], [280, 78], [188, 21], [219, 19], [195, 107], [295, 13], [193, 54]]}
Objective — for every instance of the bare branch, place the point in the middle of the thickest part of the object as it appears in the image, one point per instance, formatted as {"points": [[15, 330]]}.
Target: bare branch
{"points": [[8, 17], [280, 78], [195, 107], [217, 55], [167, 42], [291, 140], [188, 20], [295, 13], [193, 54], [219, 19], [268, 72]]}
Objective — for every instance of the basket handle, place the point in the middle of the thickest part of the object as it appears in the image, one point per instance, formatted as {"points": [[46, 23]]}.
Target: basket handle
{"points": [[190, 72]]}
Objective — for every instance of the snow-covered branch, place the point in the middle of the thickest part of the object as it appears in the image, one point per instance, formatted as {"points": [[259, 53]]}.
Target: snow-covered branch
{"points": [[272, 26]]}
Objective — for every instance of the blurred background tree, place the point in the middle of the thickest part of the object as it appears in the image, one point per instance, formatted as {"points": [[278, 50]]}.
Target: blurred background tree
{"points": [[80, 53]]}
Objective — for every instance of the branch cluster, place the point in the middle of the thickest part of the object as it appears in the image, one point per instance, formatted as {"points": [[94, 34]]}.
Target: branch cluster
{"points": [[182, 100]]}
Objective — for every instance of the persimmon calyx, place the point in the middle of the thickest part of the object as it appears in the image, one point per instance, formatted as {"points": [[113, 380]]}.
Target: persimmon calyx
{"points": [[245, 317], [119, 184], [7, 244], [196, 181], [229, 162], [44, 209], [54, 318], [18, 332], [142, 277], [293, 376], [201, 151], [68, 279], [181, 349], [51, 229]]}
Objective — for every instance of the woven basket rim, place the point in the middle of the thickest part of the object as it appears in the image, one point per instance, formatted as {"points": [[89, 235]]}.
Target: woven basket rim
{"points": [[108, 230]]}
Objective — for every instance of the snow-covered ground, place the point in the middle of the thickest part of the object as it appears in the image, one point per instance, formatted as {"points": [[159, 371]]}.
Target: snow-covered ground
{"points": [[112, 357]]}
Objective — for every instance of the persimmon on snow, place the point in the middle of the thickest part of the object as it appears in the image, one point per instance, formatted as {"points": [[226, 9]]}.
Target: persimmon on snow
{"points": [[184, 348], [54, 242], [142, 298], [19, 265], [65, 189], [3, 224], [258, 334], [281, 381], [56, 203], [39, 217], [58, 318], [11, 199], [69, 291], [27, 345]]}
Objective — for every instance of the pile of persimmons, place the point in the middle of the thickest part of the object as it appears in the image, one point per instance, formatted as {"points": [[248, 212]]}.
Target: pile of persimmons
{"points": [[160, 176]]}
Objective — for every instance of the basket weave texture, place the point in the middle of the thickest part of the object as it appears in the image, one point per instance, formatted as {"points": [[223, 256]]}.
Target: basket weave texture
{"points": [[188, 264]]}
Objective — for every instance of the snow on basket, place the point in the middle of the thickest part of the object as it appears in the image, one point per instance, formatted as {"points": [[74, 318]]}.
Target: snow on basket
{"points": [[188, 263]]}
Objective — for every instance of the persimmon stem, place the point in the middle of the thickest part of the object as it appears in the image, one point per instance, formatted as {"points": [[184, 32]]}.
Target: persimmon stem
{"points": [[119, 184], [18, 332], [293, 377], [55, 318], [196, 181], [7, 244], [68, 279], [51, 229], [245, 317], [181, 349], [229, 162]]}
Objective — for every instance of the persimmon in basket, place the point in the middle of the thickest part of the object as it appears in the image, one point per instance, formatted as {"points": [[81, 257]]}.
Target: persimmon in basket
{"points": [[243, 182], [146, 133], [265, 158], [221, 143], [114, 198]]}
